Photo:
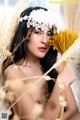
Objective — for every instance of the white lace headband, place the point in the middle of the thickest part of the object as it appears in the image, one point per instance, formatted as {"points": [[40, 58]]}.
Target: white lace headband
{"points": [[38, 17]]}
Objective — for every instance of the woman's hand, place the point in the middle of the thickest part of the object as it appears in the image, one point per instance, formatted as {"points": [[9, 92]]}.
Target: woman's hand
{"points": [[67, 75]]}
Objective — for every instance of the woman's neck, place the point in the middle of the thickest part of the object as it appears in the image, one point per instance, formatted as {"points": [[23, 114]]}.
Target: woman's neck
{"points": [[33, 61], [30, 61]]}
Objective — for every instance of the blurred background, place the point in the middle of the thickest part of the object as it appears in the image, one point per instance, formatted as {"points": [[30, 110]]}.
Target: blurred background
{"points": [[43, 3]]}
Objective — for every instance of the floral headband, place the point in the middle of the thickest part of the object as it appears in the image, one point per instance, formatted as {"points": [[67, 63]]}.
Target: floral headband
{"points": [[38, 17]]}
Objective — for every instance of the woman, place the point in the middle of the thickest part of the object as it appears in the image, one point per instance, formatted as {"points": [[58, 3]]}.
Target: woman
{"points": [[33, 57], [76, 117]]}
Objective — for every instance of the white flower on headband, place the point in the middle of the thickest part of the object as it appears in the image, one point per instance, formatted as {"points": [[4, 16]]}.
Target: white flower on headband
{"points": [[38, 17]]}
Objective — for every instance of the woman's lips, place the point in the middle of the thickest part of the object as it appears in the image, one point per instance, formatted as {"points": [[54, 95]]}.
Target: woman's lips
{"points": [[42, 49]]}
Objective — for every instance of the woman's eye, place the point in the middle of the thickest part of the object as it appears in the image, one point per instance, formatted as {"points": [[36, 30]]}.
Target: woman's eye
{"points": [[37, 32], [49, 34]]}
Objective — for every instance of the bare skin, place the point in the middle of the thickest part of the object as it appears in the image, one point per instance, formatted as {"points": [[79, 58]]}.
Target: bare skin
{"points": [[49, 112], [38, 96], [69, 97], [76, 117]]}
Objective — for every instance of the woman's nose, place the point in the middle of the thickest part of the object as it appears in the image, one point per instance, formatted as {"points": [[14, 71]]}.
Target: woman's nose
{"points": [[44, 38]]}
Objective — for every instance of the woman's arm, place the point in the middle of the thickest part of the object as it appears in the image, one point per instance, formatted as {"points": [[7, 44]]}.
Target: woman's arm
{"points": [[76, 117], [24, 107], [52, 109], [67, 76], [71, 104]]}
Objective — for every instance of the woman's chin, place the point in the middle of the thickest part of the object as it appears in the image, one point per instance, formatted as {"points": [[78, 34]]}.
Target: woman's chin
{"points": [[41, 56]]}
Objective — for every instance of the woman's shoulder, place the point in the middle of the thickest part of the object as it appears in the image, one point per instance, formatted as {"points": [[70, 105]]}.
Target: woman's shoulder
{"points": [[11, 72], [10, 68]]}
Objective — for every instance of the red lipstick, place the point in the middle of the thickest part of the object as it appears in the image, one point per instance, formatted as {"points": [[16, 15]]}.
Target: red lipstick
{"points": [[42, 49]]}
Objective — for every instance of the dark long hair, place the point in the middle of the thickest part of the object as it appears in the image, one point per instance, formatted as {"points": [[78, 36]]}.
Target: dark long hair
{"points": [[21, 52]]}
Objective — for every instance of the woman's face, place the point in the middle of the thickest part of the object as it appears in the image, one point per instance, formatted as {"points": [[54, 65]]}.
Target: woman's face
{"points": [[37, 43]]}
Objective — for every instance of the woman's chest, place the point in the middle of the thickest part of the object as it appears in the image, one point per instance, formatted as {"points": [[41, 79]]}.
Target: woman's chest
{"points": [[36, 86]]}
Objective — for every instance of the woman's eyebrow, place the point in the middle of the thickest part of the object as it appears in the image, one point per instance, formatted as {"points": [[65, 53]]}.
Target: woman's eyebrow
{"points": [[49, 30], [39, 29]]}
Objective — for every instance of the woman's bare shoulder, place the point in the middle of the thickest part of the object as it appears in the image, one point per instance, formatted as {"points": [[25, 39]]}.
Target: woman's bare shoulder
{"points": [[10, 68], [11, 72]]}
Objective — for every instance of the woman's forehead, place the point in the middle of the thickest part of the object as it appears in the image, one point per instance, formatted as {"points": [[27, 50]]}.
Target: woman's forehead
{"points": [[43, 27]]}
